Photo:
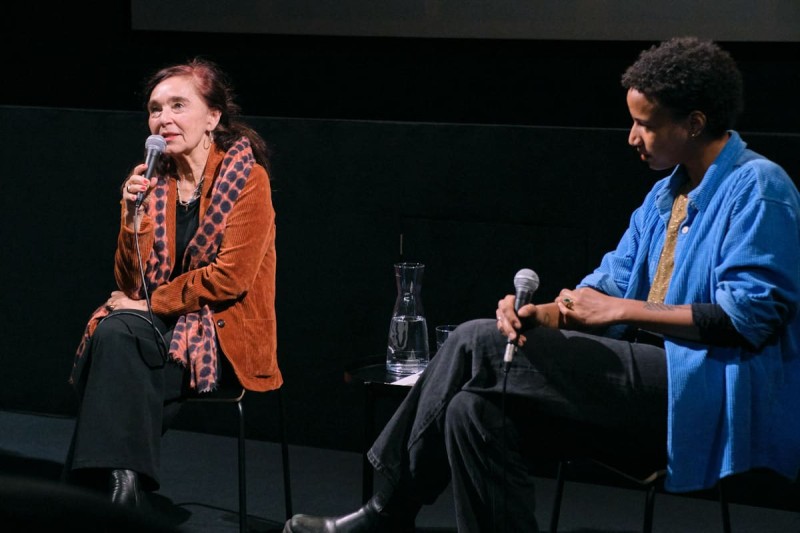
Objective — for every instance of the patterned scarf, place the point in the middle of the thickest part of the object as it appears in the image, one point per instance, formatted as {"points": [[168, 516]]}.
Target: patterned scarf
{"points": [[194, 342]]}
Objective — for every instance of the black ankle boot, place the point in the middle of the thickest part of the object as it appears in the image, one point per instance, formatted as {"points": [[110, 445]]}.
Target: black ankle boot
{"points": [[375, 516], [125, 489]]}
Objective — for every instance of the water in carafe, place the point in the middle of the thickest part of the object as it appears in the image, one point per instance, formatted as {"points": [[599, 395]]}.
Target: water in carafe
{"points": [[407, 351]]}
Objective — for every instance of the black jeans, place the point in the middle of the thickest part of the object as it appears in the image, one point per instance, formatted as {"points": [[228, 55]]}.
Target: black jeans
{"points": [[129, 393], [566, 392]]}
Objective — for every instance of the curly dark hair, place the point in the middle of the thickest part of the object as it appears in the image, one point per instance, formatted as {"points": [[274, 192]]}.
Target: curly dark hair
{"points": [[686, 74], [216, 89]]}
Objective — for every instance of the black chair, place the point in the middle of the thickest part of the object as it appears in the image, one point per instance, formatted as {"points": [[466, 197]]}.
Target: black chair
{"points": [[234, 394], [650, 482]]}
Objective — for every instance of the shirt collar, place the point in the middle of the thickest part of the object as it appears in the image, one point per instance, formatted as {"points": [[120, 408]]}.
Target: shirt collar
{"points": [[719, 170]]}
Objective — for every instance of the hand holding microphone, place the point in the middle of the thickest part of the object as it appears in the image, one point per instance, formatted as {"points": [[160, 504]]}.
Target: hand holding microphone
{"points": [[525, 282], [154, 146]]}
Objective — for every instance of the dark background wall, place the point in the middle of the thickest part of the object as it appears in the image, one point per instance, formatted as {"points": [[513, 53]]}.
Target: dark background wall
{"points": [[81, 56], [742, 20], [486, 154]]}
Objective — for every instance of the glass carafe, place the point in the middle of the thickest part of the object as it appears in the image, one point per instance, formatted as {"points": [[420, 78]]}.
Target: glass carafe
{"points": [[407, 352]]}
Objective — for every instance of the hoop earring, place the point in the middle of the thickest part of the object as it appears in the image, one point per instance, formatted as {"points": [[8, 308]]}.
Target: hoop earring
{"points": [[207, 138]]}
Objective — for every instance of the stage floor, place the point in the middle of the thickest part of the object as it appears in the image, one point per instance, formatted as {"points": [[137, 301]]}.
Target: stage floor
{"points": [[199, 487]]}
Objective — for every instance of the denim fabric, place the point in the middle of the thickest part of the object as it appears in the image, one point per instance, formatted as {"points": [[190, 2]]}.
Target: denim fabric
{"points": [[602, 386]]}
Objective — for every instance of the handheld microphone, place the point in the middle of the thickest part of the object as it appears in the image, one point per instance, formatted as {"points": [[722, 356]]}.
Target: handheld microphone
{"points": [[525, 282], [154, 146]]}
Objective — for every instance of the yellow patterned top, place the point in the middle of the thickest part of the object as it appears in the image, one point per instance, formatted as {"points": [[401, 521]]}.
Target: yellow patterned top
{"points": [[667, 260]]}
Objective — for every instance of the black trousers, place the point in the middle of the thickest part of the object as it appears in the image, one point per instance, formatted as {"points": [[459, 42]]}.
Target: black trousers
{"points": [[129, 393], [566, 392]]}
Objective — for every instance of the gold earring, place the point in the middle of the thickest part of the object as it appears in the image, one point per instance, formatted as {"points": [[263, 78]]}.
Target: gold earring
{"points": [[207, 140]]}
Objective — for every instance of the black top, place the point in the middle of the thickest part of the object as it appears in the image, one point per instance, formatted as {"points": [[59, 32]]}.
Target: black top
{"points": [[187, 221]]}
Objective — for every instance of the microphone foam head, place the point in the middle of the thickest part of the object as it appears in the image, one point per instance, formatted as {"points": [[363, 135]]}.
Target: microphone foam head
{"points": [[155, 143], [526, 280]]}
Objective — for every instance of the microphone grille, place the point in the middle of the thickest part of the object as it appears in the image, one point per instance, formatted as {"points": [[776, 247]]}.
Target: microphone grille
{"points": [[526, 279], [156, 143]]}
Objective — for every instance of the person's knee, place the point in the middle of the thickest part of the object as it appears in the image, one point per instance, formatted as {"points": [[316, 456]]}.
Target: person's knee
{"points": [[468, 331], [462, 412], [113, 324], [110, 327], [478, 336]]}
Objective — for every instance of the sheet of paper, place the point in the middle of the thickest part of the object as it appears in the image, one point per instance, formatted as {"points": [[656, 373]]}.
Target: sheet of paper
{"points": [[408, 380]]}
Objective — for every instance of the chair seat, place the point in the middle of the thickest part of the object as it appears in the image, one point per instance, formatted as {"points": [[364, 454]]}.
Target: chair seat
{"points": [[640, 476]]}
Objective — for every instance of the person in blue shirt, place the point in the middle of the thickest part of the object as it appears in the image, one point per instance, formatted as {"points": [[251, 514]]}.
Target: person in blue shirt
{"points": [[681, 347]]}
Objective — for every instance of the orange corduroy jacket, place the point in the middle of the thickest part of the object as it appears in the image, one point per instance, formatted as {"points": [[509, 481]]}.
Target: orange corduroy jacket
{"points": [[239, 285]]}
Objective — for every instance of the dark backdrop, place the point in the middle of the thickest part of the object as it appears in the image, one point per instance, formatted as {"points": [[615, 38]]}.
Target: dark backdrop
{"points": [[742, 20], [485, 155], [474, 203], [74, 55]]}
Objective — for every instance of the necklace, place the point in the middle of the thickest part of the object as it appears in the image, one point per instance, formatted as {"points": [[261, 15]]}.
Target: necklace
{"points": [[195, 194]]}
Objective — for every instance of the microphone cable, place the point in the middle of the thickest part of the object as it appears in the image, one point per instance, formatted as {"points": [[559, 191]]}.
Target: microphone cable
{"points": [[154, 146], [161, 343], [526, 281], [506, 366]]}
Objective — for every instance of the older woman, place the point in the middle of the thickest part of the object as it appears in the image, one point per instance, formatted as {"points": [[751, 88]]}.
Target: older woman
{"points": [[195, 268]]}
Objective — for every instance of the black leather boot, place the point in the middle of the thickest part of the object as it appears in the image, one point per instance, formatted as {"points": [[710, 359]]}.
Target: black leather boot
{"points": [[125, 488], [380, 514]]}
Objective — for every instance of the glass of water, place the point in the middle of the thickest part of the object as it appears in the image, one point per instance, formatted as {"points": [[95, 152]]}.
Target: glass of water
{"points": [[442, 332]]}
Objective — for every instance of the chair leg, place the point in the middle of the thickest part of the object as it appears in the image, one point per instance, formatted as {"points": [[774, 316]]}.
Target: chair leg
{"points": [[723, 506], [242, 472], [556, 511], [650, 500], [287, 486]]}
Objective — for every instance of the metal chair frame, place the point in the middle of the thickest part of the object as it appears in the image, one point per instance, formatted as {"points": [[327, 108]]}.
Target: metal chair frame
{"points": [[236, 396], [649, 483]]}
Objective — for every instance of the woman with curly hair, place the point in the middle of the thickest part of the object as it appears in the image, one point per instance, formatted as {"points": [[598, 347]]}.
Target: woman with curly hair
{"points": [[682, 346]]}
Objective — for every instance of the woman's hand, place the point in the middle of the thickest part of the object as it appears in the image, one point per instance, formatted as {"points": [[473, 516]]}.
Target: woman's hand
{"points": [[135, 184], [510, 322], [587, 307], [118, 301], [583, 308]]}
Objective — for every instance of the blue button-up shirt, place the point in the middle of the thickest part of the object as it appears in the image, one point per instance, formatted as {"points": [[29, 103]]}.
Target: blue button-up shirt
{"points": [[730, 409]]}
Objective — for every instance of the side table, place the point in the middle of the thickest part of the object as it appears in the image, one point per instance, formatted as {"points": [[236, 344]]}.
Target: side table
{"points": [[378, 383]]}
